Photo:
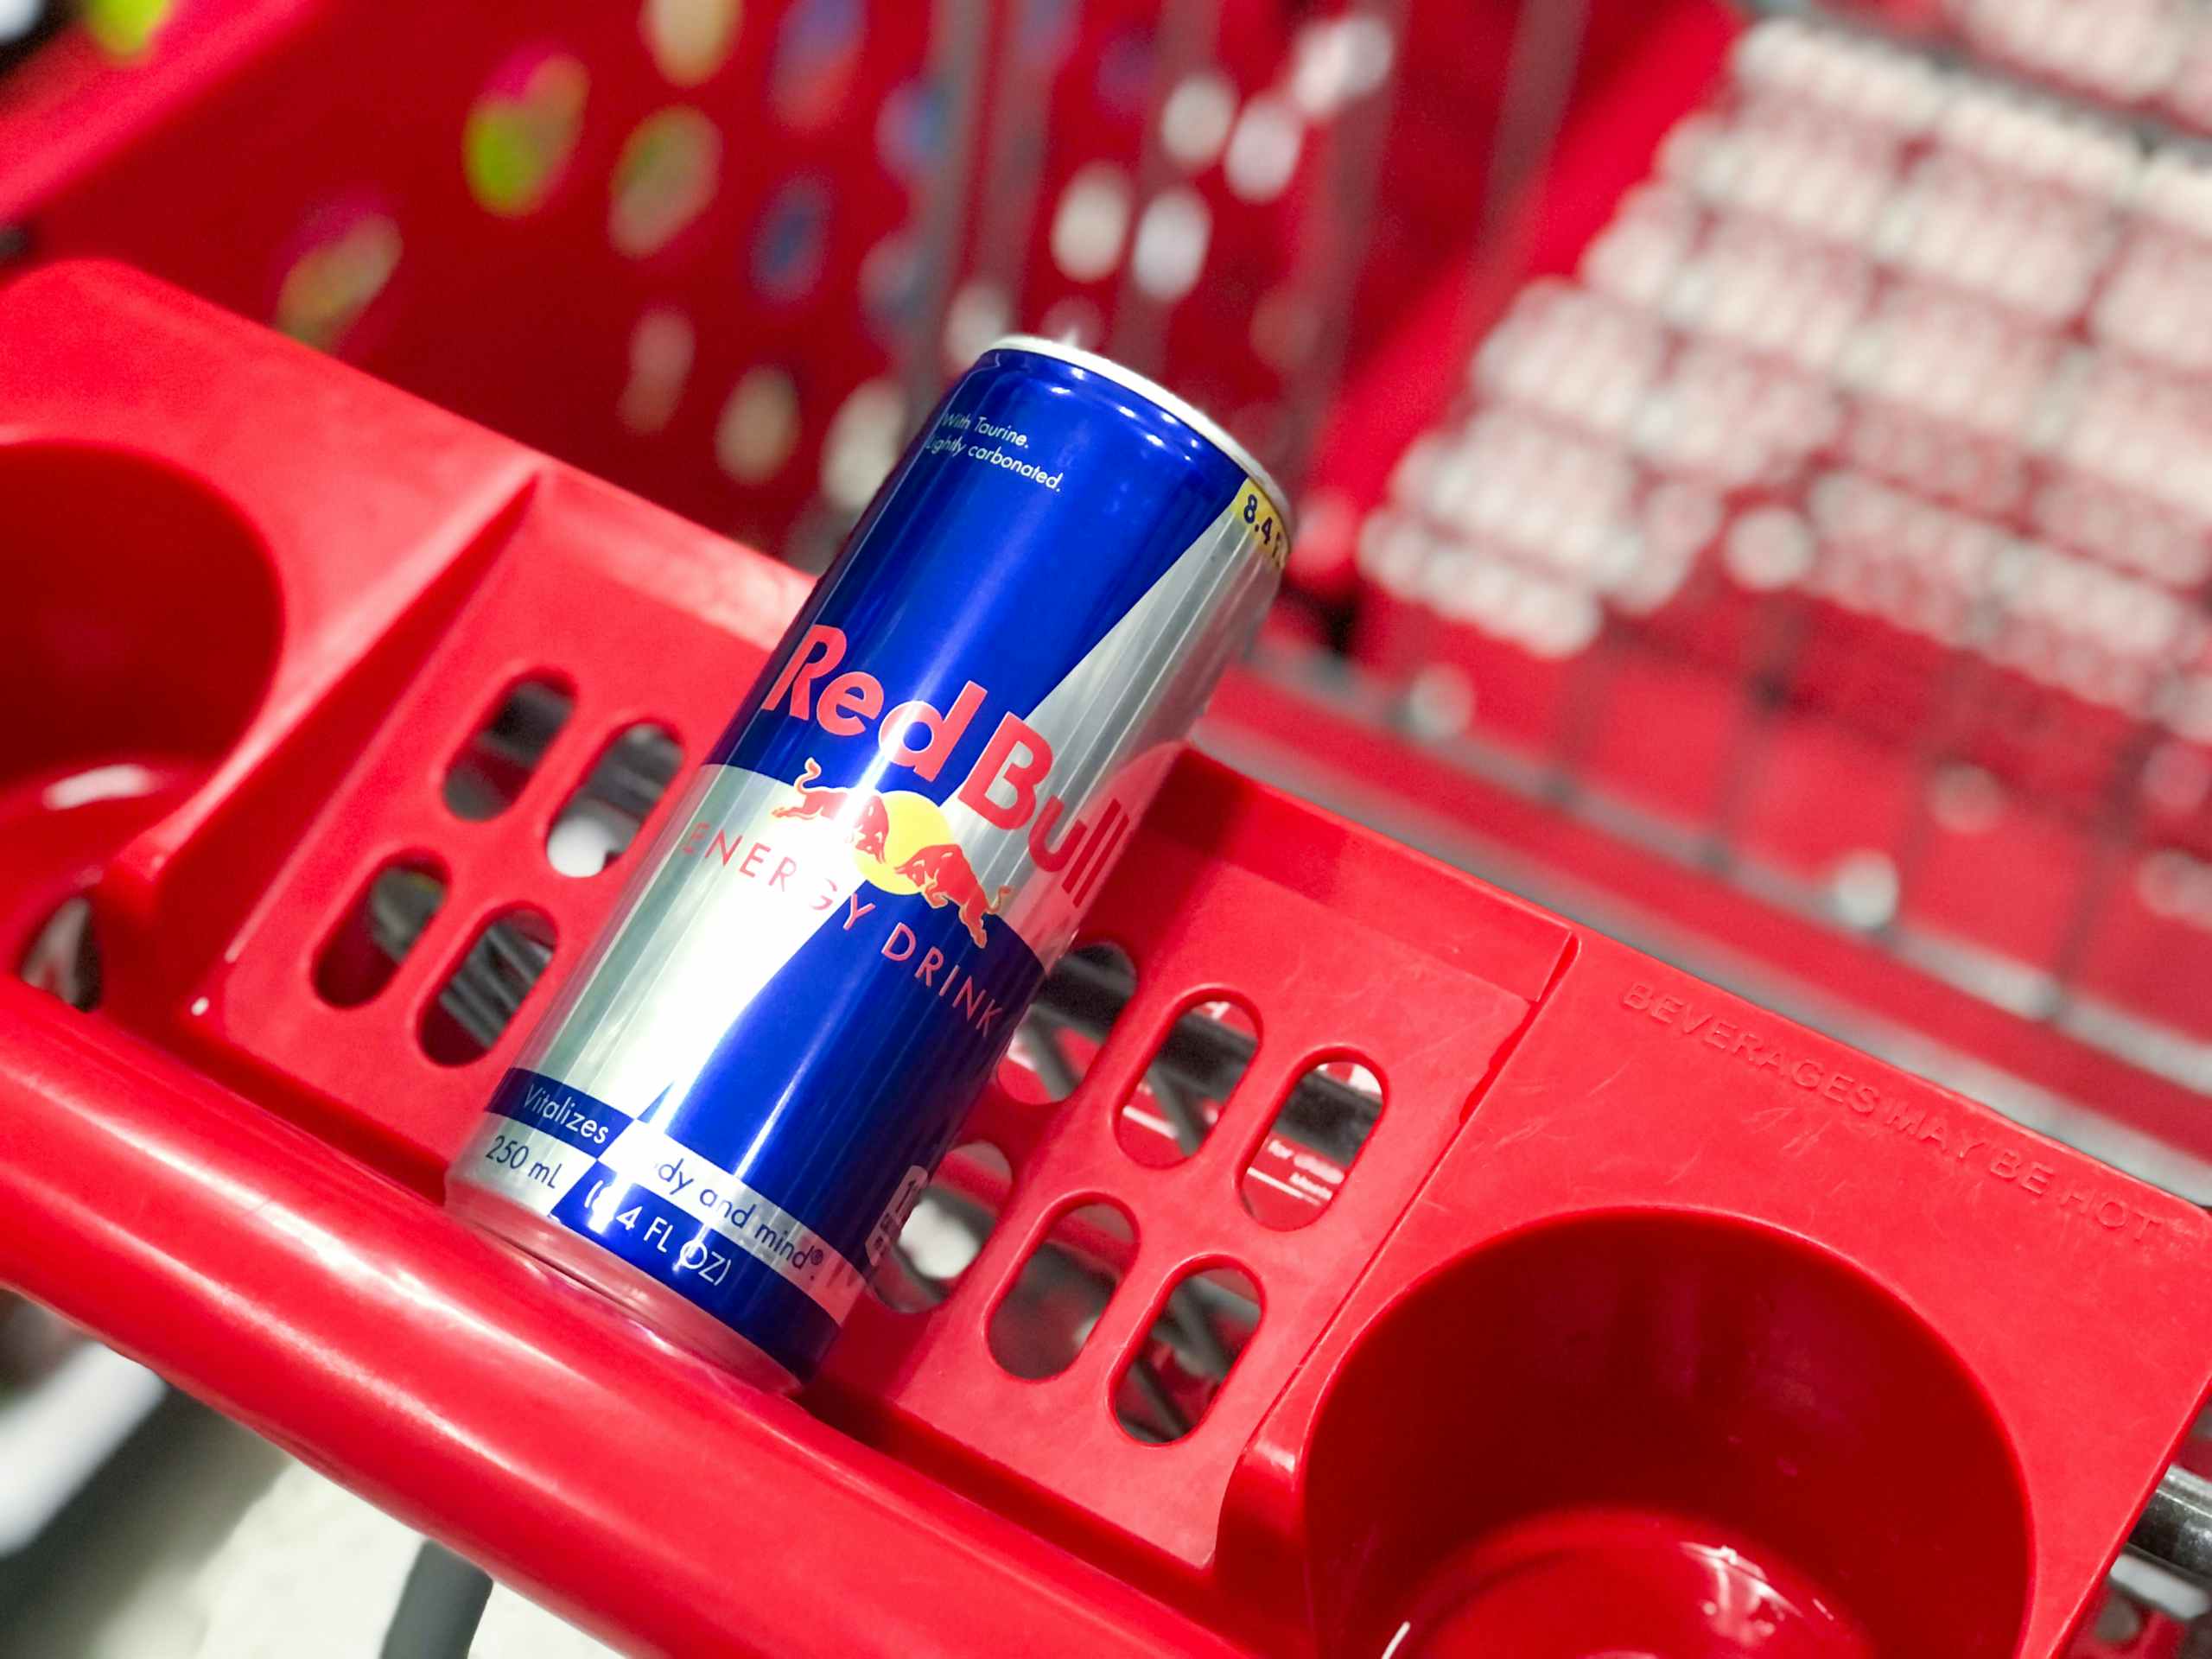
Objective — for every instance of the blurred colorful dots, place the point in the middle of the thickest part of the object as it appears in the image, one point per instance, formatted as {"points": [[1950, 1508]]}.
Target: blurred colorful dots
{"points": [[861, 446], [1046, 32], [663, 179], [333, 278], [661, 348], [1091, 222], [124, 29], [522, 131], [1073, 322], [910, 130], [1263, 148], [817, 47], [1171, 244], [979, 312], [792, 237], [890, 284], [760, 426], [1194, 122], [689, 39]]}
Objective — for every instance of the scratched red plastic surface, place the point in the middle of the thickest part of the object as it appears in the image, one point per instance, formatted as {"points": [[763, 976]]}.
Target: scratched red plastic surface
{"points": [[1628, 1262]]}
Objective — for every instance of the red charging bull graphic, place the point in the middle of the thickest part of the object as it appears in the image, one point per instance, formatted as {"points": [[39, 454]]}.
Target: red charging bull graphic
{"points": [[863, 809], [942, 875], [939, 871]]}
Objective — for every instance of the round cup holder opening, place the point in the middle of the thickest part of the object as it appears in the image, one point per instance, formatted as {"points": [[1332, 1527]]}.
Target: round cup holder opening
{"points": [[143, 617], [1667, 1433]]}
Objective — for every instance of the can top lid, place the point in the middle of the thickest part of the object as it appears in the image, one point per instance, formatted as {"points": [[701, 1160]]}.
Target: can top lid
{"points": [[1152, 391]]}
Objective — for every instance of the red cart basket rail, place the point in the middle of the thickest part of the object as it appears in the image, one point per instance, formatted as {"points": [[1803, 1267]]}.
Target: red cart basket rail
{"points": [[1627, 1269]]}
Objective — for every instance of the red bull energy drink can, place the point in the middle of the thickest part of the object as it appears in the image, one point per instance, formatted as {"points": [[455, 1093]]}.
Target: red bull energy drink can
{"points": [[726, 1117]]}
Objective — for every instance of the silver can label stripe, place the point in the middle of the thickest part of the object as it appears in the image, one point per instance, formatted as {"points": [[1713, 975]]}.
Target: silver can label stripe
{"points": [[544, 1170]]}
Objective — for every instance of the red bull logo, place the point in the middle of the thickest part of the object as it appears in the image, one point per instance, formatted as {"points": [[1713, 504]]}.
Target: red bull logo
{"points": [[901, 843], [869, 820], [1006, 788], [942, 875]]}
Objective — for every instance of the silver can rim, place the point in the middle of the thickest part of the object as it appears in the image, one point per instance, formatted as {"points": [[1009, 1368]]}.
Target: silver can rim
{"points": [[1153, 392]]}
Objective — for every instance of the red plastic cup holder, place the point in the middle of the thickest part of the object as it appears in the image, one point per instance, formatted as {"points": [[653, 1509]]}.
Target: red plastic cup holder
{"points": [[1665, 1435], [141, 627], [1621, 1584], [142, 617]]}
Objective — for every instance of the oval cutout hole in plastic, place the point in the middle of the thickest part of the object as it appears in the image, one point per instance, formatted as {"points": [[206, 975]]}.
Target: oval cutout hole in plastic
{"points": [[63, 956], [503, 754], [477, 1001], [1073, 1015], [946, 1230], [379, 931], [1045, 1317], [1173, 1108], [1295, 1172], [1180, 1368], [604, 814]]}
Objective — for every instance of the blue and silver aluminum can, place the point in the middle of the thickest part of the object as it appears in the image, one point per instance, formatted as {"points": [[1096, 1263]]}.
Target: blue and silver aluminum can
{"points": [[725, 1118]]}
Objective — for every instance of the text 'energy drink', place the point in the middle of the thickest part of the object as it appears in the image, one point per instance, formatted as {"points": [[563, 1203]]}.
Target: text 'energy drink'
{"points": [[724, 1119]]}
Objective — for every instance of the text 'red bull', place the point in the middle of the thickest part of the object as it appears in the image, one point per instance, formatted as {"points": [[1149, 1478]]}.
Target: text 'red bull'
{"points": [[1004, 786]]}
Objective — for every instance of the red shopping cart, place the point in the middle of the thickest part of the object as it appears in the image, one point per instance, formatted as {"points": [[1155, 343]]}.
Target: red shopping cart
{"points": [[1348, 1236]]}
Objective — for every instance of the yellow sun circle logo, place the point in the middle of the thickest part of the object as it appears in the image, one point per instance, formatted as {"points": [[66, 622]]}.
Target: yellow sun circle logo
{"points": [[911, 821]]}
